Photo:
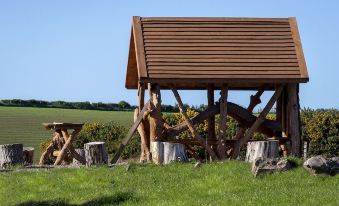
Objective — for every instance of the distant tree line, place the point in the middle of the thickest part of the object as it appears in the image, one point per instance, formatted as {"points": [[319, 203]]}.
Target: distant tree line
{"points": [[120, 106]]}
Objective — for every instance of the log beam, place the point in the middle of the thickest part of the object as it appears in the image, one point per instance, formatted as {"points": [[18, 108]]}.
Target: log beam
{"points": [[254, 101], [261, 118], [269, 127], [190, 125], [130, 133]]}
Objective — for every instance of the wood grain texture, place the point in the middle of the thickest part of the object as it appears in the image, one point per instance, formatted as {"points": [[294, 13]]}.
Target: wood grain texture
{"points": [[260, 49]]}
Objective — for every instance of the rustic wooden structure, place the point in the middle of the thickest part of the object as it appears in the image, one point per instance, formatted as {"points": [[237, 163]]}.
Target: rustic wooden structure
{"points": [[260, 54], [61, 145]]}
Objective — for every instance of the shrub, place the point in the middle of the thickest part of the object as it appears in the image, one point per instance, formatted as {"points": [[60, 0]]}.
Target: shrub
{"points": [[321, 129], [112, 134]]}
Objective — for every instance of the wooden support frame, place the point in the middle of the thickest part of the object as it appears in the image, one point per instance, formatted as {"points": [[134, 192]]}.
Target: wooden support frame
{"points": [[258, 122], [190, 125], [254, 101]]}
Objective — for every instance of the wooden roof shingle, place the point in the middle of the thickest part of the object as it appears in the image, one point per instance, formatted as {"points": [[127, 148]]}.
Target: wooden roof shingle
{"points": [[194, 52]]}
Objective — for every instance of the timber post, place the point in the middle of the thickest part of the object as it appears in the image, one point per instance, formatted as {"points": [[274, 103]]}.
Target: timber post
{"points": [[223, 122], [293, 123], [156, 123], [143, 128]]}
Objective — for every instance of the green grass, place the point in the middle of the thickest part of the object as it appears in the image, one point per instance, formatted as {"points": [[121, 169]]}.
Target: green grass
{"points": [[229, 183], [23, 124]]}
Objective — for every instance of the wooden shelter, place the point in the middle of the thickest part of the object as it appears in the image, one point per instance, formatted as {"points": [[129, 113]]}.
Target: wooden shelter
{"points": [[261, 54]]}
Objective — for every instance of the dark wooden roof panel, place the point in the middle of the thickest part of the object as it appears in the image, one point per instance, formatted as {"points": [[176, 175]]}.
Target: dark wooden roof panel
{"points": [[227, 49]]}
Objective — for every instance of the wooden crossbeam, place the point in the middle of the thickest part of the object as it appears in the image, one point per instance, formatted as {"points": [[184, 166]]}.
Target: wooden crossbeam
{"points": [[261, 118], [254, 101], [245, 118], [190, 125], [130, 132]]}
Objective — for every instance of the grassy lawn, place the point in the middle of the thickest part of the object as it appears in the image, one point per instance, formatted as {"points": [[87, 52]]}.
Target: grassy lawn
{"points": [[23, 124], [229, 183]]}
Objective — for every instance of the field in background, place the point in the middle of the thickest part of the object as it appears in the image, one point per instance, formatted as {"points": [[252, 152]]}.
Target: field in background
{"points": [[23, 124]]}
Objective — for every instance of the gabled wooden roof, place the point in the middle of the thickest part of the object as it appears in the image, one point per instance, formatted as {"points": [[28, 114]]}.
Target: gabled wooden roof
{"points": [[194, 52]]}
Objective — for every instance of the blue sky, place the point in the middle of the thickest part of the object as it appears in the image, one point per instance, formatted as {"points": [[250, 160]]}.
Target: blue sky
{"points": [[77, 50]]}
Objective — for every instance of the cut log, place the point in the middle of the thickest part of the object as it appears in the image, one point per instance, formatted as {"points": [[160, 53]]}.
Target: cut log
{"points": [[95, 153], [157, 150], [262, 149], [11, 154], [28, 153], [174, 152], [268, 127]]}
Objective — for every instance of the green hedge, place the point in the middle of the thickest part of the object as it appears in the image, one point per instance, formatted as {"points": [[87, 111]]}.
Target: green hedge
{"points": [[321, 129], [112, 134]]}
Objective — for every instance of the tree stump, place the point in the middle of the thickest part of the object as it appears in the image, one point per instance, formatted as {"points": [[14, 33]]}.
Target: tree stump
{"points": [[81, 152], [157, 151], [263, 149], [95, 153], [28, 153], [174, 152], [11, 154]]}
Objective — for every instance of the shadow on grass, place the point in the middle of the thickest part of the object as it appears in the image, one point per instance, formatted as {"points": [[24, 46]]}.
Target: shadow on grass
{"points": [[111, 200]]}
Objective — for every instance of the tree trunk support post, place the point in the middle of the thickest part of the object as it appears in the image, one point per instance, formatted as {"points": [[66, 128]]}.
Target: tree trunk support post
{"points": [[143, 128], [223, 122], [156, 122], [257, 122], [293, 120], [211, 120], [190, 125]]}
